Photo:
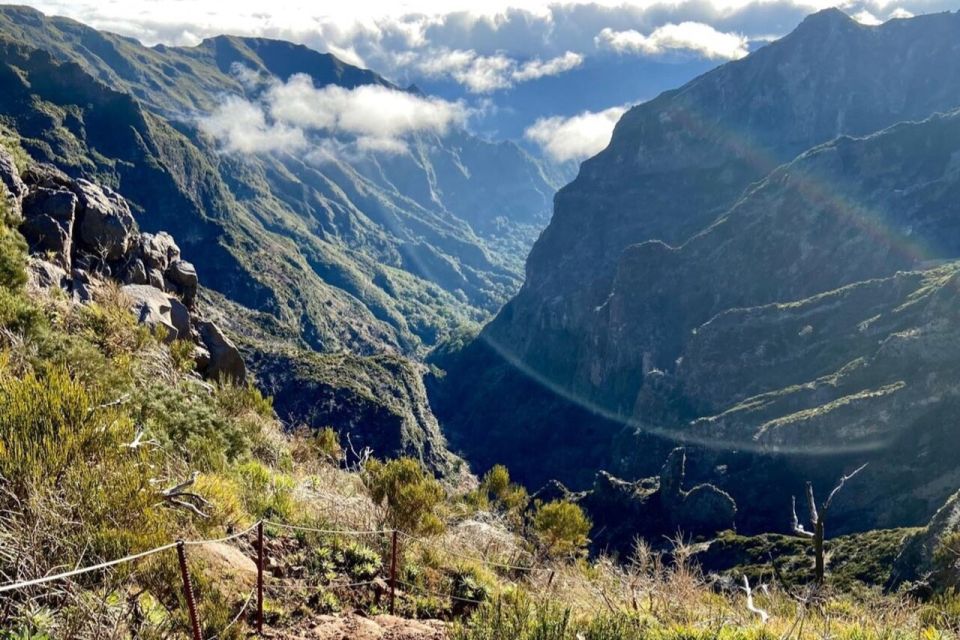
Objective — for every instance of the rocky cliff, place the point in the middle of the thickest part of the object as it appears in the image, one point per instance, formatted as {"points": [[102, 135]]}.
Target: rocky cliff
{"points": [[747, 269]]}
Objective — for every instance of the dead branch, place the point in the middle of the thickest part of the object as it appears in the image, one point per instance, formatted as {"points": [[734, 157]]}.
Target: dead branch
{"points": [[178, 496], [751, 607], [843, 480]]}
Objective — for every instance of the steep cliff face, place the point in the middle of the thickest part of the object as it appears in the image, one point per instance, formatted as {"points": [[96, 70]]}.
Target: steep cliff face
{"points": [[637, 325]]}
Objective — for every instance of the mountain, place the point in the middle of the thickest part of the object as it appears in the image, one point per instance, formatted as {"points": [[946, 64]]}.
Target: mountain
{"points": [[405, 245], [377, 253], [755, 266]]}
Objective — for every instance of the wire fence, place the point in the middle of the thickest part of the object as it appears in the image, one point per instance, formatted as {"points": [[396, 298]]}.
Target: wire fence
{"points": [[256, 595]]}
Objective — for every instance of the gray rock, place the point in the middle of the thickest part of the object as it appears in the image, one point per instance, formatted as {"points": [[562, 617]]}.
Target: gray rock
{"points": [[225, 360], [105, 223], [46, 235], [918, 558], [136, 273], [155, 279], [45, 275], [158, 250], [180, 317], [48, 219], [59, 204], [184, 275], [46, 176], [10, 177], [201, 357], [152, 308]]}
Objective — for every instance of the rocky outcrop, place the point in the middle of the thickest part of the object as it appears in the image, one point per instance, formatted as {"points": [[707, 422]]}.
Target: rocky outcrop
{"points": [[651, 508], [375, 402], [225, 361], [81, 234], [105, 223], [13, 188], [928, 559]]}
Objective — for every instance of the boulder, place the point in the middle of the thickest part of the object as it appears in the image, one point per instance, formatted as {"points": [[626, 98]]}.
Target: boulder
{"points": [[155, 279], [184, 275], [225, 359], [152, 308], [180, 317], [158, 250], [45, 275], [48, 220], [46, 176], [10, 177], [105, 223], [135, 273]]}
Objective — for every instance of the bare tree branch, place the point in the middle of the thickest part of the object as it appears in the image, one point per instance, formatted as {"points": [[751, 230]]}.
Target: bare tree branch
{"points": [[812, 503], [843, 480], [795, 525], [751, 607]]}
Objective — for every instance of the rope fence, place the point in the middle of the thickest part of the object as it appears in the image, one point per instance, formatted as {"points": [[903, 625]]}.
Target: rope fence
{"points": [[256, 594]]}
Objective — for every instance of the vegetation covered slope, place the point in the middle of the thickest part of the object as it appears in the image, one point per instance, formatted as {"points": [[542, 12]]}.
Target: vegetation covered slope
{"points": [[636, 325], [369, 252]]}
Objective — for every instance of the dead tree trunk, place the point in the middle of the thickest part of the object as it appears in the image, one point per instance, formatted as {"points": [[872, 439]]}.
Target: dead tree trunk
{"points": [[817, 517]]}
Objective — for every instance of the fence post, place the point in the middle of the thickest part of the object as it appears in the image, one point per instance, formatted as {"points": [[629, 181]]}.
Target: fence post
{"points": [[260, 578], [188, 590], [393, 574]]}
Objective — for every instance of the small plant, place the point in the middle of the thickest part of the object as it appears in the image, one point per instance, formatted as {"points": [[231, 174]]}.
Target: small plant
{"points": [[408, 496], [561, 528]]}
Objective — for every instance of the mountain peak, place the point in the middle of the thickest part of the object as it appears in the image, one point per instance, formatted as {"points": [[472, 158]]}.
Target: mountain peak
{"points": [[826, 19]]}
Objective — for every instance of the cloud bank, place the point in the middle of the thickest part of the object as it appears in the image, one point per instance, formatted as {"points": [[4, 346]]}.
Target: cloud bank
{"points": [[577, 137], [370, 117]]}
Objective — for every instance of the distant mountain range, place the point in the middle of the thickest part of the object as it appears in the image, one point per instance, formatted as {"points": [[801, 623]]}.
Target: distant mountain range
{"points": [[373, 252], [760, 265]]}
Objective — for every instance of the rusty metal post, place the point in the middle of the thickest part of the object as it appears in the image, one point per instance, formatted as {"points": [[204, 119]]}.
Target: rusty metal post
{"points": [[188, 590], [260, 578], [393, 574]]}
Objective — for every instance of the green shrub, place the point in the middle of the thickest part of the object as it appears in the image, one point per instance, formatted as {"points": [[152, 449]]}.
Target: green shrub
{"points": [[561, 528], [409, 497], [266, 493]]}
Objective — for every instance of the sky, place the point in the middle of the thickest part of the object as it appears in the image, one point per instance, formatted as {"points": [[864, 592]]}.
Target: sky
{"points": [[555, 76]]}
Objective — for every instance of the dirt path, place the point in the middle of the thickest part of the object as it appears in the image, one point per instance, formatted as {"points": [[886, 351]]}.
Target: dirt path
{"points": [[355, 627]]}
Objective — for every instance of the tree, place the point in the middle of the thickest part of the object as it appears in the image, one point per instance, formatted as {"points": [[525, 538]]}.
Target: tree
{"points": [[817, 518]]}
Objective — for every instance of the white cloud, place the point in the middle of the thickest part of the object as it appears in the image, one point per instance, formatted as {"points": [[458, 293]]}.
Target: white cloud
{"points": [[241, 126], [483, 74], [373, 117], [533, 69], [899, 13], [690, 36], [577, 137], [867, 18]]}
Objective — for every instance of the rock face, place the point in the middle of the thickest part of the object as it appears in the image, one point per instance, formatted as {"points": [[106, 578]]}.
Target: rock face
{"points": [[105, 223], [924, 558], [48, 217], [375, 401], [225, 361], [776, 320], [13, 187], [81, 234]]}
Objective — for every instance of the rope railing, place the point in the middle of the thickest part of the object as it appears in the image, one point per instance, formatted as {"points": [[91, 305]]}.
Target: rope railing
{"points": [[259, 548]]}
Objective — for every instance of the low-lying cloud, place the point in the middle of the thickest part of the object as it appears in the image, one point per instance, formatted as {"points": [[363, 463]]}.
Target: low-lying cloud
{"points": [[372, 117], [483, 74], [577, 137], [686, 36]]}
